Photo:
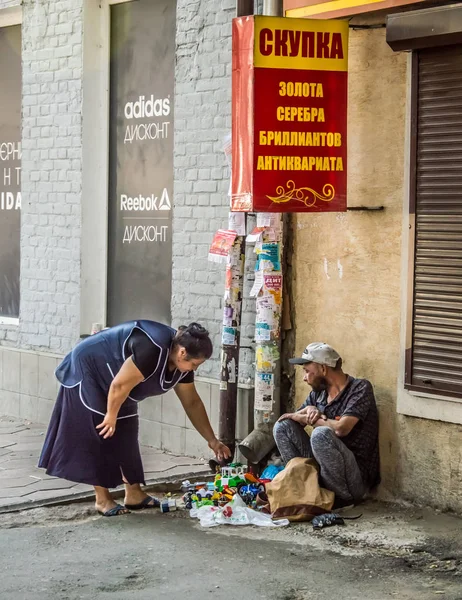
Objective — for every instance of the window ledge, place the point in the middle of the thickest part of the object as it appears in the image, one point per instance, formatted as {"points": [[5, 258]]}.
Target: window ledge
{"points": [[9, 321], [429, 406], [11, 15]]}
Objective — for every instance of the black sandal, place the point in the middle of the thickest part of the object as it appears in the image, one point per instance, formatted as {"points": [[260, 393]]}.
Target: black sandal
{"points": [[144, 504], [115, 511]]}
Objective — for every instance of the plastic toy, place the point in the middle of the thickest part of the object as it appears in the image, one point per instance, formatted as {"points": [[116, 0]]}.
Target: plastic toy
{"points": [[232, 479], [199, 503], [234, 469], [204, 494], [187, 486], [232, 476], [168, 505], [250, 491]]}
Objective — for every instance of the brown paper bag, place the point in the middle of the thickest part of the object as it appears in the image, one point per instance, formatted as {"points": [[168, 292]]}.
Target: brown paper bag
{"points": [[295, 494]]}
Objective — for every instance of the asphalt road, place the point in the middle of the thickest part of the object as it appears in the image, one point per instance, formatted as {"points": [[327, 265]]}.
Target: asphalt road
{"points": [[69, 554]]}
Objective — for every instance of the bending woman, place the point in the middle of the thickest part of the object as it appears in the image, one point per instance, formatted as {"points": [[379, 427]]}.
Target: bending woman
{"points": [[93, 433]]}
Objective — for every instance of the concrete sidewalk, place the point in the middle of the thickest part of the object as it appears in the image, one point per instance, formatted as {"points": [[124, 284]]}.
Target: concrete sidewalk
{"points": [[23, 485]]}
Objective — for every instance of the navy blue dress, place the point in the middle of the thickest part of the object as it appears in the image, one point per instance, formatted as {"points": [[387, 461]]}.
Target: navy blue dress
{"points": [[73, 448]]}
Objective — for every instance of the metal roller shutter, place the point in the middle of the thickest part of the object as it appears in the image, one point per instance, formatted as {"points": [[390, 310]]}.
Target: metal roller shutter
{"points": [[437, 319]]}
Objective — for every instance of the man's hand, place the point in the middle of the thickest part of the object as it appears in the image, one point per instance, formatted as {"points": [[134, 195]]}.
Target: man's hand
{"points": [[108, 426], [221, 451], [285, 416], [298, 417], [307, 416], [313, 414]]}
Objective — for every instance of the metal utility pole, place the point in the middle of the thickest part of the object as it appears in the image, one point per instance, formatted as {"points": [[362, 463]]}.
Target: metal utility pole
{"points": [[268, 362], [232, 307], [244, 8]]}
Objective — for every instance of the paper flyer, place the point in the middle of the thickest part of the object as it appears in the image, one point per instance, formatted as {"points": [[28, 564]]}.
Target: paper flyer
{"points": [[229, 336], [236, 222], [258, 284], [266, 357], [273, 220], [268, 258], [255, 235], [232, 371], [233, 275], [262, 332], [265, 308], [221, 245], [273, 282], [241, 202], [228, 313], [273, 287], [264, 388], [270, 235]]}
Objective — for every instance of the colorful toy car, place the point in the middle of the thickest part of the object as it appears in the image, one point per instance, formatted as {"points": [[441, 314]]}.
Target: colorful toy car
{"points": [[250, 491], [223, 483], [203, 494], [231, 477]]}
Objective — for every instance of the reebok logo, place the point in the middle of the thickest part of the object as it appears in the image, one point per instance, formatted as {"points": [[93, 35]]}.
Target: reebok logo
{"points": [[140, 203]]}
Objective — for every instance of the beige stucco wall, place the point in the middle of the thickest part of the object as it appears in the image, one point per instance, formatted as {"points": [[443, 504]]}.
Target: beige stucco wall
{"points": [[348, 277]]}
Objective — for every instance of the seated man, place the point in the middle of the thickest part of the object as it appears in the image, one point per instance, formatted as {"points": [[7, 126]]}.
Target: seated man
{"points": [[343, 413]]}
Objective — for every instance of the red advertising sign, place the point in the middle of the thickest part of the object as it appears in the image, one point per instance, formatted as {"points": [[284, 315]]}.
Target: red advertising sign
{"points": [[289, 150]]}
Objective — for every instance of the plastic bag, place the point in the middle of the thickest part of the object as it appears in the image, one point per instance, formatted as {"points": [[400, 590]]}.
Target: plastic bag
{"points": [[234, 513], [271, 471]]}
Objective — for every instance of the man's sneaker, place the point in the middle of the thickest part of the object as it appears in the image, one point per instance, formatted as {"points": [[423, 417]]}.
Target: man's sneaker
{"points": [[342, 504]]}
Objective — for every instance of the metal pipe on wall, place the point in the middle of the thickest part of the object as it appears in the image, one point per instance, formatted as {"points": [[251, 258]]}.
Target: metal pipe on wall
{"points": [[268, 362], [273, 8]]}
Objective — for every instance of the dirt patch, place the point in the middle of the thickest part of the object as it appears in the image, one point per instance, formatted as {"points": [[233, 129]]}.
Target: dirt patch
{"points": [[436, 556], [51, 516]]}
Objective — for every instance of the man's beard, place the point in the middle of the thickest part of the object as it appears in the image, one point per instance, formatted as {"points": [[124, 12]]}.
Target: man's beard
{"points": [[319, 384]]}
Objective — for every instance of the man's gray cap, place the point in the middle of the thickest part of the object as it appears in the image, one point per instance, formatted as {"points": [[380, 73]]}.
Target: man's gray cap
{"points": [[317, 352]]}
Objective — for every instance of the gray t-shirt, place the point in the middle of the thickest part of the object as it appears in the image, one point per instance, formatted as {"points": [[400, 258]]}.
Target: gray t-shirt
{"points": [[356, 400]]}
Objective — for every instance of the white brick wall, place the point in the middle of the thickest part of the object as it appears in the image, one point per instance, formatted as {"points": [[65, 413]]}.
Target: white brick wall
{"points": [[51, 175], [52, 205], [52, 162], [202, 120]]}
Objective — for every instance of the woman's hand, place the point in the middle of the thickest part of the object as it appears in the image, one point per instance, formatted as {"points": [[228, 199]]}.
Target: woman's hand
{"points": [[221, 451], [108, 426]]}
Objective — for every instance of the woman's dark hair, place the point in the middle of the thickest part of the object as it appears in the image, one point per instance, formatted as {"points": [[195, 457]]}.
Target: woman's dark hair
{"points": [[195, 340]]}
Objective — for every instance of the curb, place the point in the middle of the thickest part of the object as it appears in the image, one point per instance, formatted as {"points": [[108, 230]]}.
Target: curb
{"points": [[158, 485]]}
